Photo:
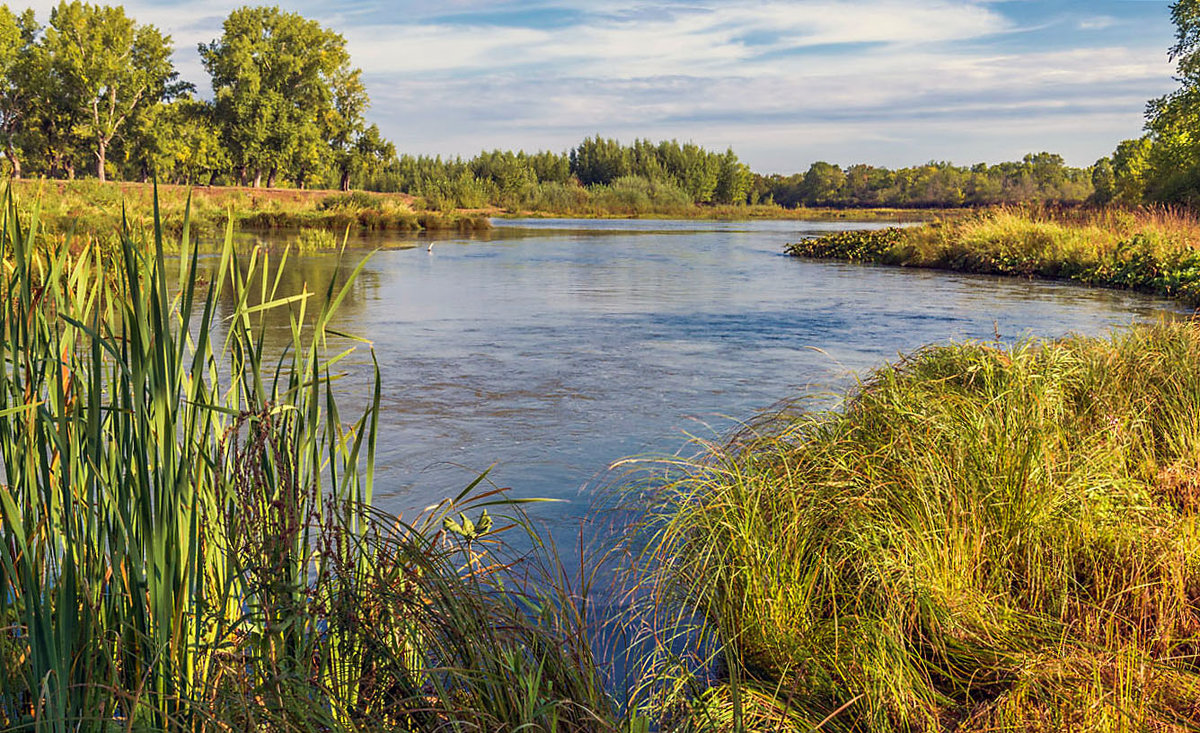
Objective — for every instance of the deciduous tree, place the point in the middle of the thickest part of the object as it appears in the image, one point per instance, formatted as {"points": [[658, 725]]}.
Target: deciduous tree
{"points": [[109, 68], [281, 82]]}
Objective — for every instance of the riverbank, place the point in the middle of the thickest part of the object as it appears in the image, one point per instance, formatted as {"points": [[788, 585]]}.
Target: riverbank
{"points": [[94, 208], [1151, 251], [982, 538], [732, 213], [91, 207]]}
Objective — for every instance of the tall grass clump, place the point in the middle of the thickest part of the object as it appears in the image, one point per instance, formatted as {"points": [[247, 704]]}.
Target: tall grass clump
{"points": [[186, 537], [980, 539], [1154, 250]]}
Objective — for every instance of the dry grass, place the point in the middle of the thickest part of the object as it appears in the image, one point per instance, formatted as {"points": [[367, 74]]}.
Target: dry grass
{"points": [[1153, 250]]}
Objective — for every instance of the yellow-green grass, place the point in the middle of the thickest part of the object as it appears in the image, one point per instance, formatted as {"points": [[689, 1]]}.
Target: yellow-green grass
{"points": [[1154, 251], [982, 538], [94, 208]]}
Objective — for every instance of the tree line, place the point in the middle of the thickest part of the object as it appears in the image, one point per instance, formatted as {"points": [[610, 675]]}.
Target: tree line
{"points": [[1163, 165], [95, 90], [1038, 177], [665, 171], [670, 172]]}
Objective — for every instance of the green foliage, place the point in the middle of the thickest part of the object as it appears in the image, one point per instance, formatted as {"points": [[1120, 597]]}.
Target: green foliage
{"points": [[853, 246], [315, 240], [981, 538], [1164, 166], [283, 84], [633, 195], [109, 69], [1104, 182], [21, 85], [1037, 178], [598, 160]]}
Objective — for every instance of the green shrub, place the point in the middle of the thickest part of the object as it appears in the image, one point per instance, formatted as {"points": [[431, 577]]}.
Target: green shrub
{"points": [[353, 200]]}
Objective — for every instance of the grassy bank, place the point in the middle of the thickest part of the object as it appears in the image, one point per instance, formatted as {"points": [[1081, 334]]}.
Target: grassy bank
{"points": [[638, 198], [90, 207], [1152, 251], [981, 539]]}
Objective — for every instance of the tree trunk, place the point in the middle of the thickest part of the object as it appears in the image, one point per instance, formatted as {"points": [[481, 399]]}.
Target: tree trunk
{"points": [[14, 161], [101, 153], [257, 177], [212, 180], [345, 185], [70, 166], [241, 175], [271, 177]]}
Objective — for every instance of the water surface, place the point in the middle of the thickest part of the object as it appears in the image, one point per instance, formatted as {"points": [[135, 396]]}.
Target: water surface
{"points": [[550, 348]]}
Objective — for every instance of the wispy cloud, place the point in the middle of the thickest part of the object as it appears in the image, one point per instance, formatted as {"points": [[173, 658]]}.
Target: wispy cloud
{"points": [[1098, 23]]}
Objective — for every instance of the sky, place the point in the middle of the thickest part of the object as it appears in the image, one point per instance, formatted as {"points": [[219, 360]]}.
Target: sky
{"points": [[782, 82]]}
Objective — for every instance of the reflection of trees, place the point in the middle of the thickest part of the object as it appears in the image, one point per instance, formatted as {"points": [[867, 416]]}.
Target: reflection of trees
{"points": [[279, 278]]}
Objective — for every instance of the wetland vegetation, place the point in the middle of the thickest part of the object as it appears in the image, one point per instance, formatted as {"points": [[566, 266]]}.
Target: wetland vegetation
{"points": [[979, 536], [189, 541], [1150, 250]]}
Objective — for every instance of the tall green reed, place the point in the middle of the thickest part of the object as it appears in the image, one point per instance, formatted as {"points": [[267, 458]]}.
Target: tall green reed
{"points": [[187, 536]]}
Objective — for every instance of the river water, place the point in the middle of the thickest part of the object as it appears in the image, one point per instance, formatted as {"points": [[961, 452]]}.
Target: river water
{"points": [[548, 349]]}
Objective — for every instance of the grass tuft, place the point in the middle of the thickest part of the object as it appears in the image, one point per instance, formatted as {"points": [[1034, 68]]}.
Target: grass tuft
{"points": [[982, 538]]}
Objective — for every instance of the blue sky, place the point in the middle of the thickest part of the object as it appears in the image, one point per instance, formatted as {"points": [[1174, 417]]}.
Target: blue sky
{"points": [[890, 82]]}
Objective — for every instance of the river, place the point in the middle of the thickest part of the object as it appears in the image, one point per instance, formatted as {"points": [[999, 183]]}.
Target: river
{"points": [[548, 349]]}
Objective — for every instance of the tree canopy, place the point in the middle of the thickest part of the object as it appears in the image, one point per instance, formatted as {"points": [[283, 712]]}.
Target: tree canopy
{"points": [[1163, 166], [286, 96]]}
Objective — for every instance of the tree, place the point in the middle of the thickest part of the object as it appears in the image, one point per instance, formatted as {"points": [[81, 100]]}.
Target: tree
{"points": [[19, 79], [733, 180], [1172, 156], [176, 142], [371, 153], [110, 67], [822, 184], [344, 124], [282, 82], [1131, 166], [1104, 182], [599, 161]]}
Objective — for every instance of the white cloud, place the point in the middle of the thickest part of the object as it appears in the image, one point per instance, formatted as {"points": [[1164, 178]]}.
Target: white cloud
{"points": [[1098, 23], [709, 41]]}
